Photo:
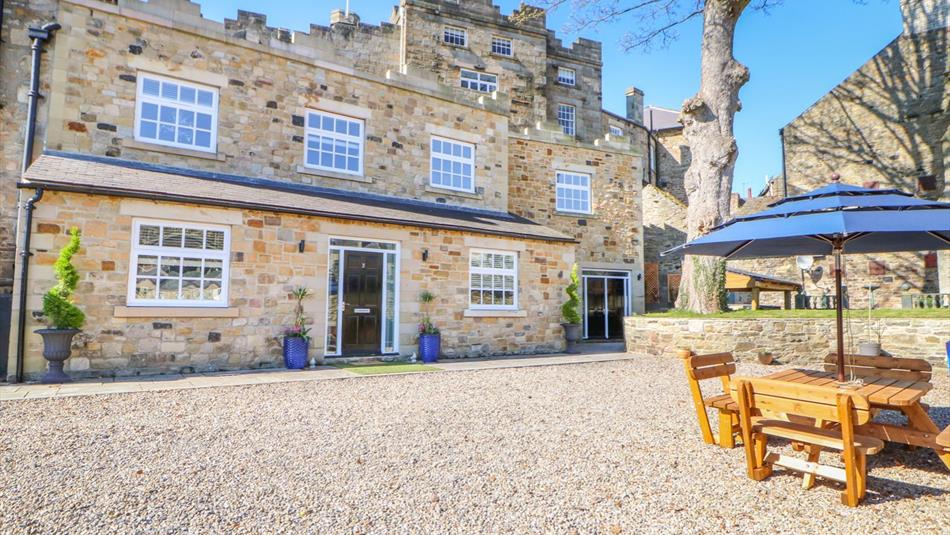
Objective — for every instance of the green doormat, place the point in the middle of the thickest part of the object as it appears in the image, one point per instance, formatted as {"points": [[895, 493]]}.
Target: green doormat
{"points": [[381, 368]]}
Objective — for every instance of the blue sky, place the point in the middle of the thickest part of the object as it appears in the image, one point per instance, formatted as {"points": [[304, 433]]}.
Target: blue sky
{"points": [[796, 53]]}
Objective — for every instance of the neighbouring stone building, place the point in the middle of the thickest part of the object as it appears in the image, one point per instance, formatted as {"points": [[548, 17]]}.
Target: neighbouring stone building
{"points": [[887, 125], [214, 167]]}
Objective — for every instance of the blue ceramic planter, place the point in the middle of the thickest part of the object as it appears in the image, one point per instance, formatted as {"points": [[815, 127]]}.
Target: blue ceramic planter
{"points": [[430, 345], [295, 352]]}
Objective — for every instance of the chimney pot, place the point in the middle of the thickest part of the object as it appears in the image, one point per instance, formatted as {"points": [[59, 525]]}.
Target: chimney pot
{"points": [[748, 193]]}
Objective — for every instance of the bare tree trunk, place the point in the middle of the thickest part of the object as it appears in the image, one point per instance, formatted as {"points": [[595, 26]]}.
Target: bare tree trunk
{"points": [[708, 121]]}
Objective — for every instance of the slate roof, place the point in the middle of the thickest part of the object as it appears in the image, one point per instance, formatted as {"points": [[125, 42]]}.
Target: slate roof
{"points": [[99, 175]]}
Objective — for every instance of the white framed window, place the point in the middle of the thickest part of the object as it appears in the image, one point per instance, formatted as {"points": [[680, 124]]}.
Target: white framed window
{"points": [[566, 76], [176, 113], [615, 130], [452, 164], [478, 81], [334, 143], [493, 280], [573, 192], [501, 46], [565, 117], [454, 36], [179, 264]]}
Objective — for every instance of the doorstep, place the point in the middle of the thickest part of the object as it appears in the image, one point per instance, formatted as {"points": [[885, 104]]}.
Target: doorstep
{"points": [[154, 383]]}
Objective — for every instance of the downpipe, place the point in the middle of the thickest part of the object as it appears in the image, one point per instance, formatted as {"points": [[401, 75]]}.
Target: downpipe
{"points": [[39, 36]]}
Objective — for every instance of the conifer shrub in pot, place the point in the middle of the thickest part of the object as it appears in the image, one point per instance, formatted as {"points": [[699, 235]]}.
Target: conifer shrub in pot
{"points": [[297, 337], [572, 318], [430, 338], [63, 317]]}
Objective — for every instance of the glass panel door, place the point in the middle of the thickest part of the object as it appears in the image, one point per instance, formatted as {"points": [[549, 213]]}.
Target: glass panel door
{"points": [[594, 309], [616, 307]]}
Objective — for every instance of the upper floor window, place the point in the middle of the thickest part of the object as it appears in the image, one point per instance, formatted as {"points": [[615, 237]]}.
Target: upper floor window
{"points": [[573, 192], [479, 81], [452, 164], [493, 280], [501, 46], [565, 76], [179, 264], [175, 113], [565, 118], [454, 36], [615, 130], [334, 143]]}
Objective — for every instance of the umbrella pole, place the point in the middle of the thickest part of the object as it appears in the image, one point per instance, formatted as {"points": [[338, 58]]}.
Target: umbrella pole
{"points": [[839, 316]]}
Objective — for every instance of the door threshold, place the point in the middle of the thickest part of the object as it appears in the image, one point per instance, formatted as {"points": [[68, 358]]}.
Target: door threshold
{"points": [[360, 359]]}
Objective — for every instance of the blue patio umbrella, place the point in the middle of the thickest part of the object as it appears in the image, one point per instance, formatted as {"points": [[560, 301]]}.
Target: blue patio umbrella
{"points": [[835, 219]]}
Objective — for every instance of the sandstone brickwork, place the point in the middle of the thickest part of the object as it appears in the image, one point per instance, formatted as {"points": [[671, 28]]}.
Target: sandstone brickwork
{"points": [[789, 340], [265, 267]]}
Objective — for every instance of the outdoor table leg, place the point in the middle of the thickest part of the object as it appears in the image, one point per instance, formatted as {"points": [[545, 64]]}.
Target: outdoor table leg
{"points": [[920, 420]]}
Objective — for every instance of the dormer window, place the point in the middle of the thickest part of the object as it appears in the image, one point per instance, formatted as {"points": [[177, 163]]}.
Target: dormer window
{"points": [[454, 36], [566, 76]]}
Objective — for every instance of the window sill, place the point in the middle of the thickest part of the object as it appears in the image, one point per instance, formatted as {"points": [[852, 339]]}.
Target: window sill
{"points": [[155, 147], [576, 215], [175, 312], [479, 313], [304, 170], [454, 192], [501, 56]]}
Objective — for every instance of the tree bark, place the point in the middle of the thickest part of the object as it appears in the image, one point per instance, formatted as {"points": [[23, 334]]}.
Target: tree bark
{"points": [[708, 128]]}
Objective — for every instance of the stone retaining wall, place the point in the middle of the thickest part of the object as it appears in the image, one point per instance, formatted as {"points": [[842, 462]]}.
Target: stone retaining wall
{"points": [[795, 340]]}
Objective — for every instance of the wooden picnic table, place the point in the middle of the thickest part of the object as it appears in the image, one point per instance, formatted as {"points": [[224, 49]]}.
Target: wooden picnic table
{"points": [[885, 394]]}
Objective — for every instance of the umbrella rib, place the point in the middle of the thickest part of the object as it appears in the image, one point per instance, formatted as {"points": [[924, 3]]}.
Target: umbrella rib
{"points": [[737, 249], [940, 237]]}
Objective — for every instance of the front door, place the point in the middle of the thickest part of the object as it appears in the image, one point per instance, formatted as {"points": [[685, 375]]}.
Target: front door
{"points": [[605, 304], [362, 294]]}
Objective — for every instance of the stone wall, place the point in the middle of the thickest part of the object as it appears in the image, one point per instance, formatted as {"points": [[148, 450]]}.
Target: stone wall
{"points": [[791, 340], [264, 96], [18, 15], [664, 227], [611, 234], [672, 161], [265, 267]]}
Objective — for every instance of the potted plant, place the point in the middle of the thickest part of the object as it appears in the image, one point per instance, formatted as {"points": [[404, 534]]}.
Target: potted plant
{"points": [[64, 319], [297, 337], [430, 339], [572, 318]]}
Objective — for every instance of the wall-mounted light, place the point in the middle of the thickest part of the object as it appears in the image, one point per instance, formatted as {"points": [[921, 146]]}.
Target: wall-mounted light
{"points": [[425, 255], [639, 276], [301, 245]]}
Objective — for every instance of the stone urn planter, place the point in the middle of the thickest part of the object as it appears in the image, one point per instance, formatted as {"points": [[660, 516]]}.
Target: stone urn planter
{"points": [[57, 347], [572, 335]]}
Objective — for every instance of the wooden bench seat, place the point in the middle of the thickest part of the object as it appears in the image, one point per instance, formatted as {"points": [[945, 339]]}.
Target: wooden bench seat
{"points": [[703, 367], [944, 438], [723, 402], [916, 370], [809, 434]]}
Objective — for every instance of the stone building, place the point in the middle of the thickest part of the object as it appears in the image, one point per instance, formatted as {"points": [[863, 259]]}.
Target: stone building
{"points": [[886, 125], [214, 167]]}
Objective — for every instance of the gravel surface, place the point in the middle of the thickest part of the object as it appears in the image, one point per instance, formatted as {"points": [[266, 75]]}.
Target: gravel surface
{"points": [[590, 448]]}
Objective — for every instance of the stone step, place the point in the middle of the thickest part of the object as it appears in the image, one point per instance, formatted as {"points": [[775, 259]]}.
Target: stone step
{"points": [[608, 346]]}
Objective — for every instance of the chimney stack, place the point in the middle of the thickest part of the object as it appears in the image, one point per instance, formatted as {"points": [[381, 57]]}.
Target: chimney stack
{"points": [[635, 105], [748, 193], [339, 16]]}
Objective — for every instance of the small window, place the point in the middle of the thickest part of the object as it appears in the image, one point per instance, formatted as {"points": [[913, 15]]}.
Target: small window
{"points": [[479, 81], [616, 130], [179, 264], [175, 113], [573, 192], [565, 118], [454, 36], [565, 76], [493, 280], [452, 164], [501, 46], [334, 143]]}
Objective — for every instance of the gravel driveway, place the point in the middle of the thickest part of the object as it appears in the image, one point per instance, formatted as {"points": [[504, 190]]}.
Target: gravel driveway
{"points": [[590, 448]]}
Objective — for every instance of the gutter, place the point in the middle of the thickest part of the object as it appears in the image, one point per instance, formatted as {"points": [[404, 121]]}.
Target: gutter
{"points": [[224, 203], [39, 36]]}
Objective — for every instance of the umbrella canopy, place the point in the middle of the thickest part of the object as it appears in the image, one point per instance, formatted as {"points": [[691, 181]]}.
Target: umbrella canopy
{"points": [[860, 220], [835, 219]]}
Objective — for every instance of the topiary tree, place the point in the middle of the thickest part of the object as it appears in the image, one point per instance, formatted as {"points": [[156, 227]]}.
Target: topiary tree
{"points": [[570, 307], [58, 307]]}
